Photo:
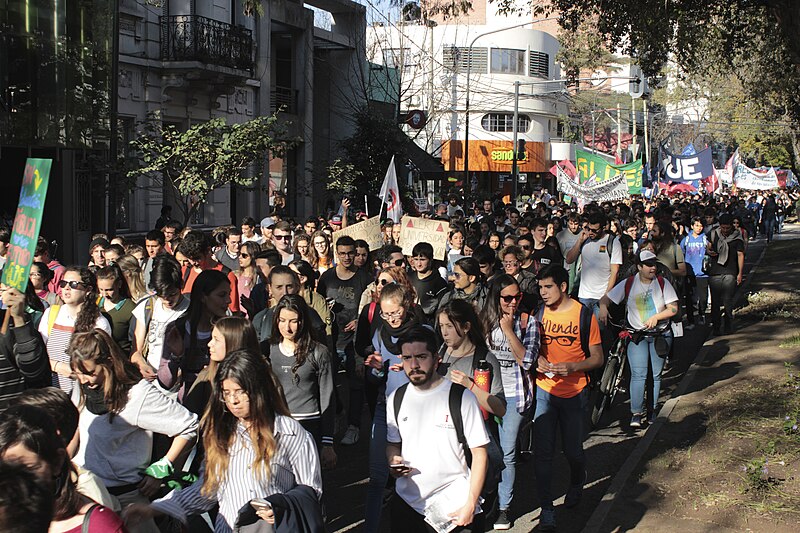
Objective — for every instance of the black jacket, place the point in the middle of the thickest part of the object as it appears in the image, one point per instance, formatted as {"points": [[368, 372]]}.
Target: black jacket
{"points": [[23, 362]]}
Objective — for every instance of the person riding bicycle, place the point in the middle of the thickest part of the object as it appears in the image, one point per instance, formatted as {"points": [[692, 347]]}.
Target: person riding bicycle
{"points": [[651, 301]]}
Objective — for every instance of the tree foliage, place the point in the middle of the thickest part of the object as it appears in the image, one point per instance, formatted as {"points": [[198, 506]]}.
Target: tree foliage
{"points": [[207, 156]]}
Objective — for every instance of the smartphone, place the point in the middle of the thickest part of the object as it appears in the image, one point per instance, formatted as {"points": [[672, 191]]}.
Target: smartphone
{"points": [[400, 467], [260, 503]]}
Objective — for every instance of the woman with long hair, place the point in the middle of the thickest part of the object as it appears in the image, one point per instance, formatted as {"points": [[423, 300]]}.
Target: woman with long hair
{"points": [[79, 313], [468, 283], [186, 343], [392, 274], [247, 275], [115, 304], [302, 247], [28, 437], [119, 412], [134, 277], [303, 369], [40, 276], [320, 252], [513, 338], [254, 449], [308, 282]]}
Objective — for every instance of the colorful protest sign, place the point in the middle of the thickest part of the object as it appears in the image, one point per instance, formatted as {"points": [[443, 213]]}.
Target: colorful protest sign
{"points": [[369, 230], [589, 164], [747, 178], [27, 223], [416, 230], [615, 188], [682, 168]]}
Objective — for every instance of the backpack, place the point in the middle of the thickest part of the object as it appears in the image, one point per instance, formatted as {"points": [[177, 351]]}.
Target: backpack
{"points": [[51, 318], [661, 282], [148, 315], [609, 245]]}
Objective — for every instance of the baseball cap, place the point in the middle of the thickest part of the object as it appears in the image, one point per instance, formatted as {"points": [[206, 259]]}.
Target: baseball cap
{"points": [[336, 220], [647, 257], [267, 222], [98, 242]]}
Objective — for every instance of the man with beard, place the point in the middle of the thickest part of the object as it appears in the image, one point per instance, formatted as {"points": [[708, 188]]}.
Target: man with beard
{"points": [[424, 449], [726, 249]]}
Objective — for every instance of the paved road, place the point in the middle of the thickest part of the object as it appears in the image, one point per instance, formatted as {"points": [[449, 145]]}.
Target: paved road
{"points": [[607, 448]]}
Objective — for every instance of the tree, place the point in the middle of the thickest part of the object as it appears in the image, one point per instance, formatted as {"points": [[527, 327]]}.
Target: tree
{"points": [[207, 156]]}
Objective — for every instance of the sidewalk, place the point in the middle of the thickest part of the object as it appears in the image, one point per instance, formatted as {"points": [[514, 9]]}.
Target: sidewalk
{"points": [[723, 460]]}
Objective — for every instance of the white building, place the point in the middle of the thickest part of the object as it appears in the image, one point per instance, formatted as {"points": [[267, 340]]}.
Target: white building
{"points": [[435, 62]]}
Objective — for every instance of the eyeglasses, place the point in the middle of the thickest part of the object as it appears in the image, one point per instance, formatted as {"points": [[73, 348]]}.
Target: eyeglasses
{"points": [[592, 230], [320, 243], [75, 285], [510, 263], [245, 255], [282, 237], [392, 316], [457, 275], [383, 282], [511, 297], [228, 395], [346, 254], [525, 246]]}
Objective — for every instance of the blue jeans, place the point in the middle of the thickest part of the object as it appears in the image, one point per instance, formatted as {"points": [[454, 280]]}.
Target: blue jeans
{"points": [[567, 414], [508, 443], [769, 228], [638, 357], [592, 304], [378, 468]]}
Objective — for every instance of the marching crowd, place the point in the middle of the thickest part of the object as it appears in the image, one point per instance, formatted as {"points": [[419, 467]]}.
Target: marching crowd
{"points": [[208, 379]]}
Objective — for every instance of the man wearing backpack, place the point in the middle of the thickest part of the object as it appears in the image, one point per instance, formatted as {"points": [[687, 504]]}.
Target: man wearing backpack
{"points": [[436, 444], [570, 348]]}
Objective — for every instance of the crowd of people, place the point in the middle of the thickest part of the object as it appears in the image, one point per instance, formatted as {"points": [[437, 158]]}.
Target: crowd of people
{"points": [[208, 378]]}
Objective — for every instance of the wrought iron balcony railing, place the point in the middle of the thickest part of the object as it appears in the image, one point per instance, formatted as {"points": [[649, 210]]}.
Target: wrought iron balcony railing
{"points": [[196, 38]]}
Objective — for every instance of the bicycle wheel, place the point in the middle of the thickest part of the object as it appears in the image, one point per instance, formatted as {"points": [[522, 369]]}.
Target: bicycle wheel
{"points": [[619, 375], [599, 405], [609, 374]]}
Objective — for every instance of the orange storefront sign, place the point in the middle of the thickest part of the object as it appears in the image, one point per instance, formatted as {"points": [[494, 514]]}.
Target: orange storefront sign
{"points": [[492, 156]]}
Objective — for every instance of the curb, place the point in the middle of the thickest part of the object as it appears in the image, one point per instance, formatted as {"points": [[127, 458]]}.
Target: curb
{"points": [[596, 521]]}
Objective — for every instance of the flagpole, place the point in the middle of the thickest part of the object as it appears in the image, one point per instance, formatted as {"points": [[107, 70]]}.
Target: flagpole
{"points": [[385, 190], [366, 205]]}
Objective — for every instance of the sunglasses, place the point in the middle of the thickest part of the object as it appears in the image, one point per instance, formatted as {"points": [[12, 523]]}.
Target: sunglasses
{"points": [[511, 298], [282, 237], [383, 282], [525, 246], [397, 262], [75, 285]]}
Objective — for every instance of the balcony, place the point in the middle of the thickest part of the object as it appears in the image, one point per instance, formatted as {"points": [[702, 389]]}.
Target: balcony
{"points": [[195, 38]]}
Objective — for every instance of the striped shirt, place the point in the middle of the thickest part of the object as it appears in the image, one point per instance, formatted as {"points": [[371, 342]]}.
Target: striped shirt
{"points": [[522, 378], [295, 463]]}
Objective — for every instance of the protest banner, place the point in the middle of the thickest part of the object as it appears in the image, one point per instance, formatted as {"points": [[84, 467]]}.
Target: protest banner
{"points": [[416, 230], [683, 168], [27, 223], [369, 230], [746, 178], [615, 188], [589, 165]]}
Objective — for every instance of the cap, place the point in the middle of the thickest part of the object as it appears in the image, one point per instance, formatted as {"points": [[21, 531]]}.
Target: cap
{"points": [[98, 242], [646, 256], [267, 222], [336, 220]]}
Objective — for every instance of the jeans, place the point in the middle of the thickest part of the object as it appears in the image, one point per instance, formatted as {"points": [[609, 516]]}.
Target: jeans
{"points": [[723, 289], [568, 414], [354, 384], [605, 331], [378, 468], [407, 520], [779, 226], [769, 228], [509, 430], [592, 304], [701, 295], [638, 357]]}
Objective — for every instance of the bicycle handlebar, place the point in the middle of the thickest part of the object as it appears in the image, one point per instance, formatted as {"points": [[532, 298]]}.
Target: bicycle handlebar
{"points": [[660, 329]]}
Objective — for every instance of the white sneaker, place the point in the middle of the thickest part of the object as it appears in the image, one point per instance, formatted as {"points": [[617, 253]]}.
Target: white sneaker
{"points": [[350, 436]]}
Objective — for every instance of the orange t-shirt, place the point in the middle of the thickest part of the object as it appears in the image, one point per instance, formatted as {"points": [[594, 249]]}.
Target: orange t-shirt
{"points": [[192, 275], [561, 343]]}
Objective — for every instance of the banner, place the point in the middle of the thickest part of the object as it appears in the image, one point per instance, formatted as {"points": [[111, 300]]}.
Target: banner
{"points": [[416, 230], [27, 223], [390, 194], [369, 230], [615, 188], [682, 168], [747, 178], [589, 164]]}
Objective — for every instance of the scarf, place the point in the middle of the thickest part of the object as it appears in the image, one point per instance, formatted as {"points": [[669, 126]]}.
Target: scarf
{"points": [[722, 244], [94, 400], [388, 333]]}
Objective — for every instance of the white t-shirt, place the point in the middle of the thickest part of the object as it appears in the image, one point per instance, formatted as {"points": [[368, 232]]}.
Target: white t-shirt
{"points": [[566, 240], [255, 238], [508, 363], [596, 266], [159, 321], [644, 300], [429, 443]]}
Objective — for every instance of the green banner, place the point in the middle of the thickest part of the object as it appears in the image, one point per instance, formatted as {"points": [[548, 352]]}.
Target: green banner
{"points": [[27, 223], [589, 164]]}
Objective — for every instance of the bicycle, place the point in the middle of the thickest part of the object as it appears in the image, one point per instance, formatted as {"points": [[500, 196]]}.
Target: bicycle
{"points": [[610, 382]]}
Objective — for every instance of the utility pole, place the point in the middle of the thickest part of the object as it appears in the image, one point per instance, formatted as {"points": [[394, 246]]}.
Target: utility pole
{"points": [[514, 165], [619, 134]]}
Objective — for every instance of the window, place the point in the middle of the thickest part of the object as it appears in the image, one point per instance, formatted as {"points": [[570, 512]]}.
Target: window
{"points": [[462, 59], [397, 57], [539, 65], [504, 122], [507, 61]]}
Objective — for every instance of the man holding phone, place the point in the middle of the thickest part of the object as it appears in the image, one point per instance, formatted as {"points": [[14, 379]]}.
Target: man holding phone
{"points": [[435, 481]]}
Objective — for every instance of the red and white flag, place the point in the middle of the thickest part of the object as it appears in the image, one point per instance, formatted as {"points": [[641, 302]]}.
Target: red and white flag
{"points": [[390, 193]]}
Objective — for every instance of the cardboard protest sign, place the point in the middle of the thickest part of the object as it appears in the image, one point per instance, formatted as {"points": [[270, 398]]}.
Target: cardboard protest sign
{"points": [[416, 230], [27, 223], [369, 230], [589, 165]]}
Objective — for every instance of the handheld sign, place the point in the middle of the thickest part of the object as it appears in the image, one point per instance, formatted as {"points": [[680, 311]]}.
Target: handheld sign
{"points": [[416, 230], [27, 223], [369, 230]]}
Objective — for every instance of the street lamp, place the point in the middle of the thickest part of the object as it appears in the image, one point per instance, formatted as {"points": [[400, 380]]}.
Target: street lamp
{"points": [[469, 69]]}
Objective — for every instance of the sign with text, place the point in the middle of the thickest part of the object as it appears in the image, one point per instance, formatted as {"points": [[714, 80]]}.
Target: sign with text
{"points": [[27, 223], [589, 165], [416, 230], [752, 180], [594, 191], [368, 230], [682, 168]]}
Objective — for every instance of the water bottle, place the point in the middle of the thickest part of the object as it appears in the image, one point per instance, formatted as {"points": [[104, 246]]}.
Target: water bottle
{"points": [[482, 378]]}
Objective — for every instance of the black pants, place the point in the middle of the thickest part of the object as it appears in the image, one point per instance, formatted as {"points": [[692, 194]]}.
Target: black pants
{"points": [[407, 520], [723, 290]]}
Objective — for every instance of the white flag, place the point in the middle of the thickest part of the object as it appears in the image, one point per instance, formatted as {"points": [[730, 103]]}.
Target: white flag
{"points": [[390, 193]]}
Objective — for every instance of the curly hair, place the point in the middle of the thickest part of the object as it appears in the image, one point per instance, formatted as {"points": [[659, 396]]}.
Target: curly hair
{"points": [[89, 312], [400, 276]]}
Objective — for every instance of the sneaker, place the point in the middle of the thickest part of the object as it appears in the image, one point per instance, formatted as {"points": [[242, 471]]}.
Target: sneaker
{"points": [[651, 418], [574, 493], [502, 523], [636, 421], [547, 520], [350, 436]]}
